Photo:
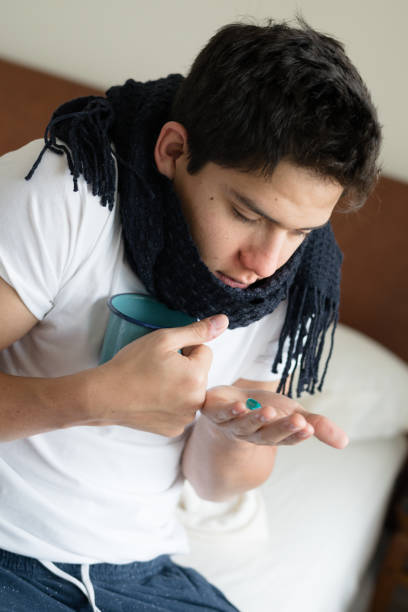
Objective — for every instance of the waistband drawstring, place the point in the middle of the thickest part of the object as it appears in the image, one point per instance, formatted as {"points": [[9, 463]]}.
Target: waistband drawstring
{"points": [[85, 586]]}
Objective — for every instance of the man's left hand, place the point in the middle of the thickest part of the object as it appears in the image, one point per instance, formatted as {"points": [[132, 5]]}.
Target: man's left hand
{"points": [[280, 420]]}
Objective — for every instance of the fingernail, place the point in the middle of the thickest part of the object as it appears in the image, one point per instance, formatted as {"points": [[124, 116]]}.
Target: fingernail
{"points": [[344, 442], [238, 409], [219, 322], [265, 418], [287, 424], [262, 418], [304, 434]]}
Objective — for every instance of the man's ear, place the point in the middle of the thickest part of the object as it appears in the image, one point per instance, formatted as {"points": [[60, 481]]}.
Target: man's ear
{"points": [[170, 146]]}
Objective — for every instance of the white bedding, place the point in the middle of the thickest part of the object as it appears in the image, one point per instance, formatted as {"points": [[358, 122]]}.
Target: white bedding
{"points": [[303, 541], [324, 513]]}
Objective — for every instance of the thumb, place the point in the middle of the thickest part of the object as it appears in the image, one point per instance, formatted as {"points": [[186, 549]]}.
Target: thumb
{"points": [[197, 332]]}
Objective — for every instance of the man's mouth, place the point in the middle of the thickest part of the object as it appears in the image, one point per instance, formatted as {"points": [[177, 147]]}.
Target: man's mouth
{"points": [[231, 282]]}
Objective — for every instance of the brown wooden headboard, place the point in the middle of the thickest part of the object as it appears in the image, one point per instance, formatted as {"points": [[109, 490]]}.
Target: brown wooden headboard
{"points": [[374, 294], [375, 270]]}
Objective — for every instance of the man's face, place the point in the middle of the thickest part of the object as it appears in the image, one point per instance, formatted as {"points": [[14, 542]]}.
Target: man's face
{"points": [[245, 226]]}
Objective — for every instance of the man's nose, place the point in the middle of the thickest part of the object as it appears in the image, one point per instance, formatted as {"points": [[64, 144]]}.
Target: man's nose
{"points": [[265, 257]]}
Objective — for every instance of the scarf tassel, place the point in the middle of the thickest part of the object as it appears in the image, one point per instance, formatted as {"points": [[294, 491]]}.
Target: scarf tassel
{"points": [[309, 316], [88, 149]]}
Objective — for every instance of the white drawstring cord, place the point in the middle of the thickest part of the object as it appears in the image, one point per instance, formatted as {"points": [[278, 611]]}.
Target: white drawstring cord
{"points": [[86, 586], [86, 579]]}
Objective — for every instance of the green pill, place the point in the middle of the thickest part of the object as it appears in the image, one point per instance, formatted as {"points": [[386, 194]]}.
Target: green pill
{"points": [[252, 404]]}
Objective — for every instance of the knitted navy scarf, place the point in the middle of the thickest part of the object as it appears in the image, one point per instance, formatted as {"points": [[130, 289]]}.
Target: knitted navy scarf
{"points": [[158, 243]]}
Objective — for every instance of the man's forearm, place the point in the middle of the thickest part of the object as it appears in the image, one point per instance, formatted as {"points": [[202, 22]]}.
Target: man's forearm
{"points": [[30, 406], [219, 467]]}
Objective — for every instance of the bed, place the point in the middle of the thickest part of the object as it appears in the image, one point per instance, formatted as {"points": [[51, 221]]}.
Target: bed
{"points": [[307, 539]]}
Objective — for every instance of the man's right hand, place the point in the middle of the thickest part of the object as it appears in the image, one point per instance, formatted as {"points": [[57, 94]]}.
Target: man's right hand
{"points": [[150, 385]]}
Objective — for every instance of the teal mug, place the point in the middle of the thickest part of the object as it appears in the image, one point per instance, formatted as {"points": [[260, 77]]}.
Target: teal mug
{"points": [[132, 315]]}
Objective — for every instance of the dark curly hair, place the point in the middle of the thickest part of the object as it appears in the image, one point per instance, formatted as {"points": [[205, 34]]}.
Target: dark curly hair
{"points": [[256, 95]]}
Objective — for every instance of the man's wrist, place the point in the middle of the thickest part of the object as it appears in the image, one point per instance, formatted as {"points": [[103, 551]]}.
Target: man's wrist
{"points": [[70, 399]]}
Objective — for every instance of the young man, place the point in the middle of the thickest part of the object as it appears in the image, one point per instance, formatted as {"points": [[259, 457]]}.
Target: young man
{"points": [[216, 193]]}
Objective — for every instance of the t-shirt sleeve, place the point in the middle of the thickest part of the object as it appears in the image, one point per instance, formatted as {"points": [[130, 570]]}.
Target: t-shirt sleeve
{"points": [[258, 365], [40, 222]]}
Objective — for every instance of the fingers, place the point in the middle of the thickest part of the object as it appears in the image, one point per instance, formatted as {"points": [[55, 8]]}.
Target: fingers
{"points": [[291, 429], [195, 333], [327, 431], [262, 426], [299, 436], [223, 413]]}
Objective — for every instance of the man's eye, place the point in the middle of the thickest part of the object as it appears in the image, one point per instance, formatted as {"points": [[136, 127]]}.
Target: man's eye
{"points": [[242, 218]]}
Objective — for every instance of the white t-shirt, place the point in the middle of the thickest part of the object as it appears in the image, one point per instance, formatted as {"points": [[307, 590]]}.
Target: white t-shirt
{"points": [[88, 494]]}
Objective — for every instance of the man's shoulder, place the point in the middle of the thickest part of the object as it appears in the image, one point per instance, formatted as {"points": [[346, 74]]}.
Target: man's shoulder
{"points": [[50, 190], [20, 160]]}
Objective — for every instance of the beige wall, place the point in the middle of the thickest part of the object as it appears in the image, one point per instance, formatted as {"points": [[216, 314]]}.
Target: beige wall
{"points": [[103, 42]]}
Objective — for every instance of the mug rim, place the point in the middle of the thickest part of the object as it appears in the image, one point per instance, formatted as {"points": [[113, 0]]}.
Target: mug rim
{"points": [[128, 318]]}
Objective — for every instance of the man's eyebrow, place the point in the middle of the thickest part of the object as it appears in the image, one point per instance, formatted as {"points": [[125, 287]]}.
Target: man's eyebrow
{"points": [[252, 206]]}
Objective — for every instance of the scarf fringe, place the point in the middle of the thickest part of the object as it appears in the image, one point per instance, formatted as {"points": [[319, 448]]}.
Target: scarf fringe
{"points": [[88, 146], [309, 316]]}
